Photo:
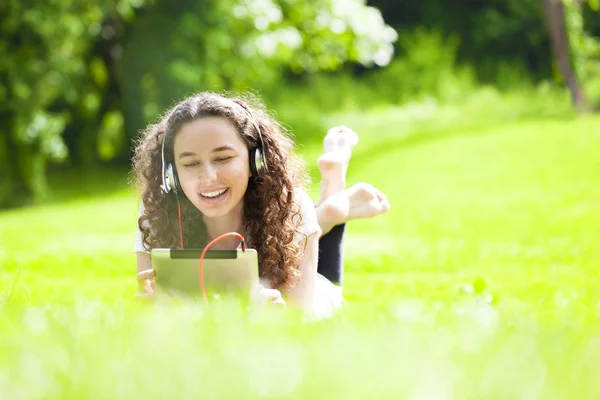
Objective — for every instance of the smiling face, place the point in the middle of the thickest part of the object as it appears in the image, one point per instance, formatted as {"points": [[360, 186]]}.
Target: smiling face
{"points": [[212, 165]]}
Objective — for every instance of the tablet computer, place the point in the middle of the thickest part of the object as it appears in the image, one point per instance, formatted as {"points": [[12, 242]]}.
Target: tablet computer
{"points": [[225, 271]]}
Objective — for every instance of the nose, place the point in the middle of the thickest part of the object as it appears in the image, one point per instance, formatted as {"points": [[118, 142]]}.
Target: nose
{"points": [[207, 174]]}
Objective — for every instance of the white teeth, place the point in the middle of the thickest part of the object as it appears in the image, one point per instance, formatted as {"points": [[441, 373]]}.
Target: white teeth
{"points": [[213, 194]]}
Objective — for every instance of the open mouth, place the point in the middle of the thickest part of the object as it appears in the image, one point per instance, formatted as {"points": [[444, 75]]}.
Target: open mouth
{"points": [[216, 195]]}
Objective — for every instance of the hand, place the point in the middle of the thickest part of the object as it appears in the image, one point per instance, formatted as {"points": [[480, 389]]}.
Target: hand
{"points": [[260, 295], [146, 284]]}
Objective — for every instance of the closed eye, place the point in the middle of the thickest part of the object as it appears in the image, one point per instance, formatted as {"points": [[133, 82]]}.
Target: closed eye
{"points": [[196, 163]]}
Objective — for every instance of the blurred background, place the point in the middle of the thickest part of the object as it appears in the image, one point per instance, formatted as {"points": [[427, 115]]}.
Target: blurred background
{"points": [[475, 117], [79, 79]]}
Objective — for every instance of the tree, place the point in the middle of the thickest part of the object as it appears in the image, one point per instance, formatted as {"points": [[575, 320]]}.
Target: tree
{"points": [[554, 16], [49, 76]]}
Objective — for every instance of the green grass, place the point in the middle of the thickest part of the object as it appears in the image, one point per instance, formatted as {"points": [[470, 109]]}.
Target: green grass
{"points": [[480, 283]]}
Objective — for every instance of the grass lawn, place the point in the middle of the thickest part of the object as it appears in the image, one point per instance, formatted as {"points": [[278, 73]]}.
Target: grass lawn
{"points": [[480, 283]]}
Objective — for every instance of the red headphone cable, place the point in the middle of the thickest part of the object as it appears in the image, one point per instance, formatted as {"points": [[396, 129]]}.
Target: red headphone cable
{"points": [[179, 223], [202, 288]]}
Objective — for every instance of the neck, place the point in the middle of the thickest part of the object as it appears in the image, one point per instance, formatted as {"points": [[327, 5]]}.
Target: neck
{"points": [[232, 222]]}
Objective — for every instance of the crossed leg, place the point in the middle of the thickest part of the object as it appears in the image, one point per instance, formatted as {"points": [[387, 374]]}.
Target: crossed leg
{"points": [[338, 204]]}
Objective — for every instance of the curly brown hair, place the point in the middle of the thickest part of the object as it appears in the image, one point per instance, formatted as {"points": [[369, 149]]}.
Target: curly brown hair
{"points": [[270, 214]]}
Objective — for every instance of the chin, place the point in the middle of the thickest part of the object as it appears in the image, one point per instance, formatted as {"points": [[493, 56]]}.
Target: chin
{"points": [[212, 212], [215, 213], [221, 209]]}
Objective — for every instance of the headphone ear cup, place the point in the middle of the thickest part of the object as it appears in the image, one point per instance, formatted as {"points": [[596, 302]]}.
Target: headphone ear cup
{"points": [[177, 186], [172, 180], [257, 162]]}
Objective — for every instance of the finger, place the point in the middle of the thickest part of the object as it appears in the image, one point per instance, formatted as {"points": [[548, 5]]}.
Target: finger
{"points": [[148, 287], [279, 302], [146, 274], [271, 294]]}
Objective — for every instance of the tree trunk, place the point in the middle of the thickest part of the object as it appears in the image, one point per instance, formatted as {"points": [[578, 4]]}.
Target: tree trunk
{"points": [[554, 16], [14, 189], [6, 175]]}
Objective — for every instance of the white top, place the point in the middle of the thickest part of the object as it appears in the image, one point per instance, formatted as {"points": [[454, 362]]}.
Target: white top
{"points": [[329, 296]]}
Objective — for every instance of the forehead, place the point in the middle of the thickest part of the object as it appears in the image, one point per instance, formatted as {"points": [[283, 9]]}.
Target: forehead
{"points": [[208, 133]]}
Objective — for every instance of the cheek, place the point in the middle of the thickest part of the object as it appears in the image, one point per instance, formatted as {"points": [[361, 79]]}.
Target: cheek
{"points": [[186, 176], [236, 172], [187, 181]]}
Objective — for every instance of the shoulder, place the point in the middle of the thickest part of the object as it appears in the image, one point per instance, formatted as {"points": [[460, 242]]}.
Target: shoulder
{"points": [[302, 198], [142, 213], [308, 212]]}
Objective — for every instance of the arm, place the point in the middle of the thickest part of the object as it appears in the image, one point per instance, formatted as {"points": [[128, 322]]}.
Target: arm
{"points": [[144, 261], [303, 293], [144, 275]]}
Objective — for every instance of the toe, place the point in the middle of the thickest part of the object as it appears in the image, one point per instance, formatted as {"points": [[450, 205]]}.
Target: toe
{"points": [[385, 206], [380, 195], [365, 190]]}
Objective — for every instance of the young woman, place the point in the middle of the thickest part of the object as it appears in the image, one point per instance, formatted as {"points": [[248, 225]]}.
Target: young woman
{"points": [[237, 172]]}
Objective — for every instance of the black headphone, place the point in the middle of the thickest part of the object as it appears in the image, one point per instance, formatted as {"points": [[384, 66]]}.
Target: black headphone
{"points": [[256, 156]]}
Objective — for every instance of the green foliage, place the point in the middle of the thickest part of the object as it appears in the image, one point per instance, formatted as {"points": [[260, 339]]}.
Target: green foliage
{"points": [[46, 77], [585, 49], [235, 44], [423, 78], [426, 66], [492, 33], [111, 140]]}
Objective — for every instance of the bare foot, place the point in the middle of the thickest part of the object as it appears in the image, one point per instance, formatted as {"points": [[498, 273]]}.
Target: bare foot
{"points": [[359, 201], [339, 139], [333, 164]]}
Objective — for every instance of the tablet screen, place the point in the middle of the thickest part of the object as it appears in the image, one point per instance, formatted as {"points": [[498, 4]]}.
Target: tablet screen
{"points": [[225, 271]]}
